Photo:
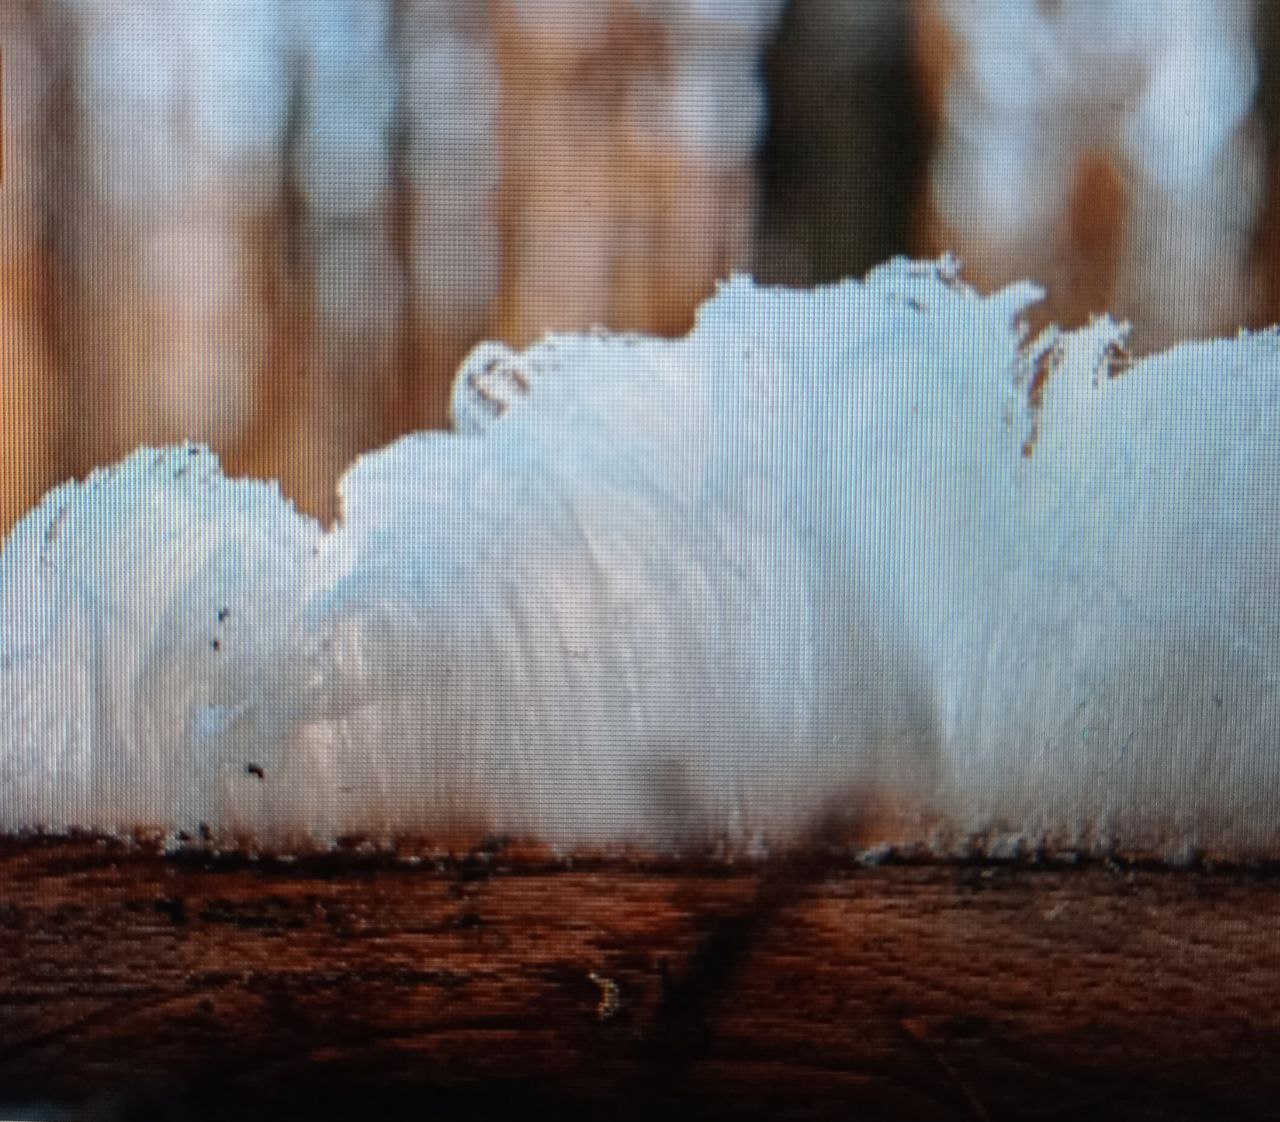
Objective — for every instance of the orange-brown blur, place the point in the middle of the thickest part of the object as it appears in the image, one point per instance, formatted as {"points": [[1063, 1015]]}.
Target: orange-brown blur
{"points": [[537, 165]]}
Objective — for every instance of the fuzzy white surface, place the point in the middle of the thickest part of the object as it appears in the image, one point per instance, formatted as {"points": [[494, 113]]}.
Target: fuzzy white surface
{"points": [[672, 592]]}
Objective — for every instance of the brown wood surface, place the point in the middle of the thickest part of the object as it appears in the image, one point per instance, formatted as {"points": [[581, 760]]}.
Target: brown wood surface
{"points": [[507, 985]]}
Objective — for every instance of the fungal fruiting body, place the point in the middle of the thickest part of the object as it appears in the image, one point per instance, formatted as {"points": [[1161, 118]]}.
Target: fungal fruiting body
{"points": [[867, 541]]}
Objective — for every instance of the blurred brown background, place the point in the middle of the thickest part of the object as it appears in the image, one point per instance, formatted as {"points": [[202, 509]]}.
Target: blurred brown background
{"points": [[277, 226]]}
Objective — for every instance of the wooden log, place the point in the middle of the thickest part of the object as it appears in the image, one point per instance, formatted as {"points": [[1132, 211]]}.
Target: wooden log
{"points": [[135, 985]]}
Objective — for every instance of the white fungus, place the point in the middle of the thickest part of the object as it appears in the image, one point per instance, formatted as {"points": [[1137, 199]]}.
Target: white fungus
{"points": [[863, 542]]}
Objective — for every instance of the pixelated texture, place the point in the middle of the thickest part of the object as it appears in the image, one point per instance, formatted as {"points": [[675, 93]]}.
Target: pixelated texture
{"points": [[868, 542]]}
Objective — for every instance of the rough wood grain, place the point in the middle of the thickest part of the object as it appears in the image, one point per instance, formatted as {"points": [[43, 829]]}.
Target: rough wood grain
{"points": [[500, 984]]}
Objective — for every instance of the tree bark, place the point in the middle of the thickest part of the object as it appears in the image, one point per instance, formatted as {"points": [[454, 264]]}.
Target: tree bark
{"points": [[501, 982]]}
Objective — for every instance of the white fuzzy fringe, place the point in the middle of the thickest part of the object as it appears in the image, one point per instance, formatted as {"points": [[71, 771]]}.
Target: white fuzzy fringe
{"points": [[861, 543]]}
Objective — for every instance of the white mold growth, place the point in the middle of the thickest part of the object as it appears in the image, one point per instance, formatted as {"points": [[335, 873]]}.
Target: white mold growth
{"points": [[490, 381], [679, 592]]}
